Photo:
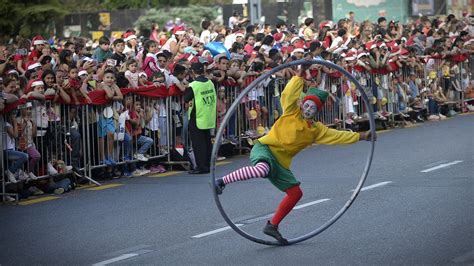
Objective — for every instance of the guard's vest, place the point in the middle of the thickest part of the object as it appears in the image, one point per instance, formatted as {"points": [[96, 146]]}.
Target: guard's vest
{"points": [[205, 102]]}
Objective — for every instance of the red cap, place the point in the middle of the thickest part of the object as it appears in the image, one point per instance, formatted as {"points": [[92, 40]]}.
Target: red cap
{"points": [[37, 40], [179, 30]]}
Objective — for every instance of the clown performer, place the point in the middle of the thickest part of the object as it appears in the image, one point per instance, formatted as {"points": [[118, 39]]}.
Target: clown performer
{"points": [[272, 154]]}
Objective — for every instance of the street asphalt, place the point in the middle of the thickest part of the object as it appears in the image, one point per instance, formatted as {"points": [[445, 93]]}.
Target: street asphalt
{"points": [[416, 209]]}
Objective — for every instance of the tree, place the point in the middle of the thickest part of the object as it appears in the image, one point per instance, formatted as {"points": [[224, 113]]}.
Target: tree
{"points": [[28, 18], [191, 15]]}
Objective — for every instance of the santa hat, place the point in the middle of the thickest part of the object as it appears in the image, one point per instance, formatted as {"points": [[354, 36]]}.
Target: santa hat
{"points": [[316, 95], [370, 45], [179, 30], [13, 72], [33, 65], [33, 83], [325, 24], [362, 54], [37, 40], [297, 50], [142, 74], [350, 56], [129, 36], [279, 36], [294, 39], [82, 72], [37, 83], [469, 42]]}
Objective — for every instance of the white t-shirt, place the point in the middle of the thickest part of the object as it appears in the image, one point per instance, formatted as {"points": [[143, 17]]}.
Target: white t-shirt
{"points": [[229, 41], [132, 78], [9, 143], [41, 118], [154, 123], [205, 37], [167, 45], [233, 21]]}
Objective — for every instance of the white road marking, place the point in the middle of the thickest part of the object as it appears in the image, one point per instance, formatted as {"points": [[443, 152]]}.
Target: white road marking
{"points": [[441, 166], [119, 258], [214, 231], [310, 203], [375, 185]]}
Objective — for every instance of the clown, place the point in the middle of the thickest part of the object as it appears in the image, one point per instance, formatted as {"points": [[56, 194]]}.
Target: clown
{"points": [[295, 130]]}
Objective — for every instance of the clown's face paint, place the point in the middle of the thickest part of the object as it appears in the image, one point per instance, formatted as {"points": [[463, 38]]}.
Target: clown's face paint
{"points": [[309, 109]]}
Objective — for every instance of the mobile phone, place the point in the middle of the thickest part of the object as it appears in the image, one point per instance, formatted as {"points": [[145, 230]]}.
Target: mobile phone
{"points": [[111, 62], [22, 52]]}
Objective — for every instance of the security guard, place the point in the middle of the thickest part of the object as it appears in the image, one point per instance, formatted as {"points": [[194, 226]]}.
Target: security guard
{"points": [[202, 117]]}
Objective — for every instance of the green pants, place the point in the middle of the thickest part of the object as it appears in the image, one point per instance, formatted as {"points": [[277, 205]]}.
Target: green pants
{"points": [[280, 177]]}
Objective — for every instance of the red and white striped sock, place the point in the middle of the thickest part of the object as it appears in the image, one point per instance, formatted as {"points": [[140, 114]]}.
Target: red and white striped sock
{"points": [[261, 169]]}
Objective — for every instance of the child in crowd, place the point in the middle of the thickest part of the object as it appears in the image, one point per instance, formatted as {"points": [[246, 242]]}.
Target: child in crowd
{"points": [[131, 74], [159, 79], [37, 43], [14, 156], [106, 124], [143, 79], [118, 56], [150, 64], [72, 84], [221, 106], [152, 130], [26, 132], [102, 52], [133, 133]]}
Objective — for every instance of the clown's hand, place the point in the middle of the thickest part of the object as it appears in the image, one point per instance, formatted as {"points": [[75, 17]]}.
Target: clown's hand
{"points": [[367, 135]]}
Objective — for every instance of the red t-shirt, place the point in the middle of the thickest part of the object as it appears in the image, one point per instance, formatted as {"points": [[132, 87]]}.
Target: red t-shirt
{"points": [[133, 131], [34, 54], [17, 58]]}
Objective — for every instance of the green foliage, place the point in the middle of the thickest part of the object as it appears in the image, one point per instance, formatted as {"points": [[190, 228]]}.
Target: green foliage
{"points": [[29, 18], [124, 4], [192, 15]]}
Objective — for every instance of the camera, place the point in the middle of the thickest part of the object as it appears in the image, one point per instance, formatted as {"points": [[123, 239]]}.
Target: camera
{"points": [[216, 73], [111, 62], [22, 52]]}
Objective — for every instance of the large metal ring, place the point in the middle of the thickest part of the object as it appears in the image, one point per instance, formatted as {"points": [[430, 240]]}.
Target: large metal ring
{"points": [[232, 109]]}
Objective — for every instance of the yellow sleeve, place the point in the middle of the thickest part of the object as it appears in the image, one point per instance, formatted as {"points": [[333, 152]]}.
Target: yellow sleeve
{"points": [[291, 94], [329, 136]]}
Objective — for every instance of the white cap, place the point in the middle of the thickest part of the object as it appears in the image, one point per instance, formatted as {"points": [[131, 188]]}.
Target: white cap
{"points": [[294, 39], [298, 50], [82, 72], [133, 36], [38, 42], [37, 83], [33, 66]]}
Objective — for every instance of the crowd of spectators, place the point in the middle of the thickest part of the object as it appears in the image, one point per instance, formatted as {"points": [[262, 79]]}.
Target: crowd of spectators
{"points": [[39, 77]]}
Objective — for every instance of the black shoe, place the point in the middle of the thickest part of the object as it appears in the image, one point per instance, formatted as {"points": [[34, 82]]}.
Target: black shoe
{"points": [[272, 230], [220, 185]]}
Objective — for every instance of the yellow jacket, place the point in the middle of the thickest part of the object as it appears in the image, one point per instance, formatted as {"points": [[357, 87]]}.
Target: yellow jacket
{"points": [[291, 133]]}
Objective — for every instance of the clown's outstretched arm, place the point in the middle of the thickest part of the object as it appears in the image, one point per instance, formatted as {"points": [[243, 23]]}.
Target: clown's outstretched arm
{"points": [[292, 91], [330, 136]]}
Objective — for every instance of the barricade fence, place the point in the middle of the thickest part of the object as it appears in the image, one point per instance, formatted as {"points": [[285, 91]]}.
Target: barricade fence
{"points": [[47, 139]]}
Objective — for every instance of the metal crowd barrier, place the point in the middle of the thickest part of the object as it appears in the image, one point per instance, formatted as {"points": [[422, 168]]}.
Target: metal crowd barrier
{"points": [[85, 139]]}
